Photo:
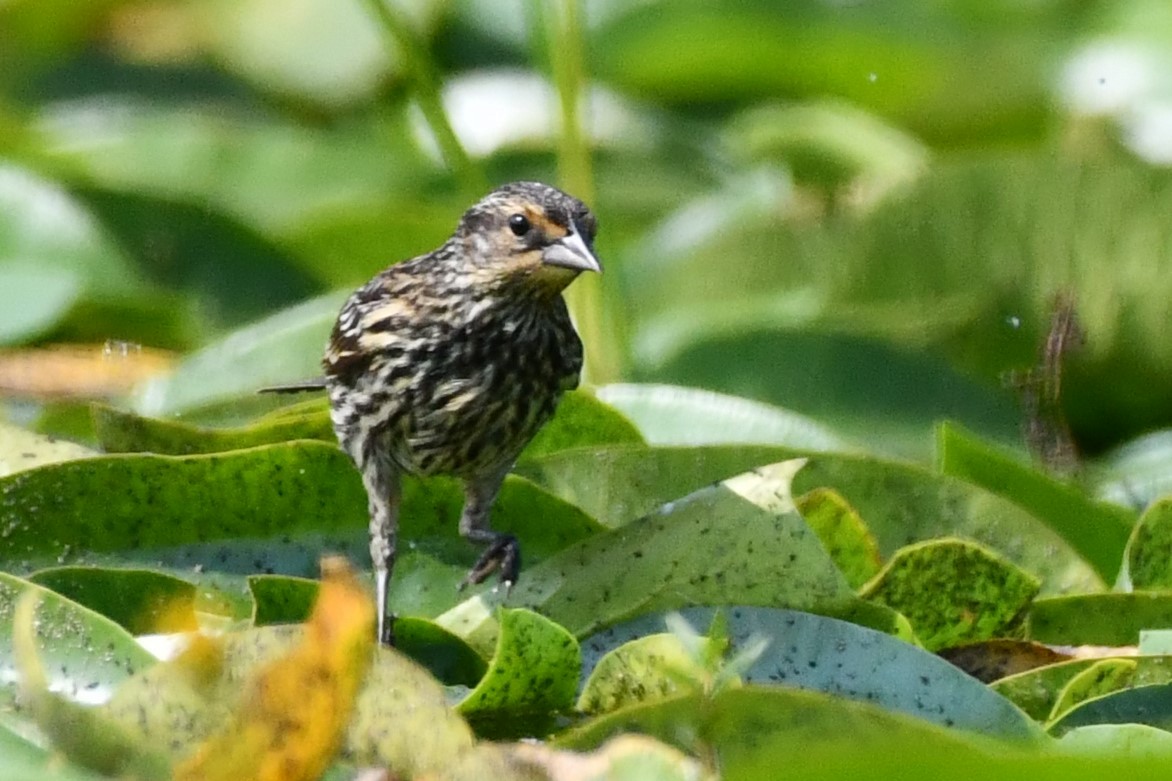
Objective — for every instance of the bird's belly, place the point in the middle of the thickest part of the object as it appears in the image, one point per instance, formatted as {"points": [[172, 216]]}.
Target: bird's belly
{"points": [[461, 433]]}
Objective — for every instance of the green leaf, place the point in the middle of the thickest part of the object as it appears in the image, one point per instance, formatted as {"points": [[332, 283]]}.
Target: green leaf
{"points": [[1099, 619], [843, 533], [119, 431], [954, 592], [651, 667], [671, 415], [280, 599], [282, 347], [1149, 551], [899, 503], [581, 420], [533, 672], [838, 658], [21, 449], [1126, 740], [401, 717], [753, 730], [1150, 705], [738, 542], [231, 272], [141, 601], [1098, 531], [1036, 691], [34, 298], [23, 761], [84, 654], [268, 509], [1102, 677]]}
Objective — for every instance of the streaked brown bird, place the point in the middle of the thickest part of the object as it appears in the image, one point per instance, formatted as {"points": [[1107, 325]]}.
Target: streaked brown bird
{"points": [[450, 362]]}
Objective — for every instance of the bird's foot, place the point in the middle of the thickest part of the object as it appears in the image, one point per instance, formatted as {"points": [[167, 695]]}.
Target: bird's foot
{"points": [[504, 554]]}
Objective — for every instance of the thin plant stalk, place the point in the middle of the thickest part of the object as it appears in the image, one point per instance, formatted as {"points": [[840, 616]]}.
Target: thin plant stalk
{"points": [[425, 85]]}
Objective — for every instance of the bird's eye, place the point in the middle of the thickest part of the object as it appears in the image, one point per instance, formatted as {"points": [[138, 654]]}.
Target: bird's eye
{"points": [[519, 224]]}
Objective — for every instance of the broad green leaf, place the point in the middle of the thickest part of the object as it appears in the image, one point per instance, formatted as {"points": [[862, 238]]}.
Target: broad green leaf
{"points": [[1150, 705], [839, 658], [278, 599], [23, 761], [908, 63], [619, 483], [230, 272], [268, 170], [141, 601], [1036, 691], [119, 431], [738, 542], [1103, 677], [581, 420], [750, 346], [843, 533], [898, 502], [902, 503], [21, 449], [268, 509], [282, 347], [670, 415], [84, 654], [41, 224], [82, 733], [1138, 472], [533, 672], [401, 717], [1148, 563], [331, 58], [752, 731], [34, 298], [1098, 531], [1120, 740], [954, 592], [1099, 619], [647, 668]]}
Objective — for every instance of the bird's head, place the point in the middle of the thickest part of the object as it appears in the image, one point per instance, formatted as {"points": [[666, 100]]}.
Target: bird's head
{"points": [[530, 235]]}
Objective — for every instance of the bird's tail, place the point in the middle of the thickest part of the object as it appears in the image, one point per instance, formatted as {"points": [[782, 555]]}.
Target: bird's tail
{"points": [[305, 386]]}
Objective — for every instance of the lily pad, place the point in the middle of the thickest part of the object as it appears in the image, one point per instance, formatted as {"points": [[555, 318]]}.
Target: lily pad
{"points": [[1036, 691], [845, 660], [119, 431], [1096, 530], [954, 592], [533, 672], [1149, 551], [672, 415], [738, 542], [141, 601], [1099, 619], [1103, 677], [1150, 705], [639, 670], [843, 533], [85, 654]]}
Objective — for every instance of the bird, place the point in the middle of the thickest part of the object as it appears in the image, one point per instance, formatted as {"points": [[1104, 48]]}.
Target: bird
{"points": [[450, 362]]}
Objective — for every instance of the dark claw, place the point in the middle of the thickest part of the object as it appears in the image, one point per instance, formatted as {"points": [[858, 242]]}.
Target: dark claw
{"points": [[504, 553]]}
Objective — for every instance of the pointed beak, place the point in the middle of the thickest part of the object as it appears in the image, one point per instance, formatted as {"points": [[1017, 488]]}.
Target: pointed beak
{"points": [[571, 252]]}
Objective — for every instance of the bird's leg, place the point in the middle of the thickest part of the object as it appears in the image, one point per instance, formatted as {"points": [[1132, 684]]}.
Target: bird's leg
{"points": [[503, 551], [381, 480]]}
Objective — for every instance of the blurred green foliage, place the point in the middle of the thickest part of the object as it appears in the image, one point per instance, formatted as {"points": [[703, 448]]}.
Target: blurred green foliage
{"points": [[862, 212]]}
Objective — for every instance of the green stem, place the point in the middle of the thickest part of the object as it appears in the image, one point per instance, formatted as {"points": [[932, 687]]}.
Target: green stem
{"points": [[422, 75], [564, 48]]}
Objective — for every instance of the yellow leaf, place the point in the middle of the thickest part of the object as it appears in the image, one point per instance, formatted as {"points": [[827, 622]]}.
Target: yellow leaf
{"points": [[294, 714]]}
